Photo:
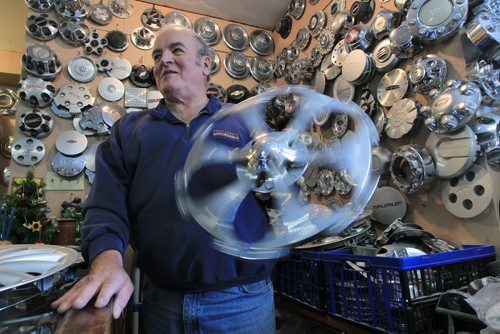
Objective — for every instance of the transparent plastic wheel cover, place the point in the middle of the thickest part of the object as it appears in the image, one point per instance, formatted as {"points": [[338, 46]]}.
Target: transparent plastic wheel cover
{"points": [[297, 222]]}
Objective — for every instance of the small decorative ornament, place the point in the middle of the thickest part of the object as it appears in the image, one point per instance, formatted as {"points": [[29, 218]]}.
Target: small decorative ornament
{"points": [[36, 226]]}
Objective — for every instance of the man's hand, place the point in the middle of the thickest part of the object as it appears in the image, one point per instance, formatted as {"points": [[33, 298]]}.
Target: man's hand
{"points": [[106, 279]]}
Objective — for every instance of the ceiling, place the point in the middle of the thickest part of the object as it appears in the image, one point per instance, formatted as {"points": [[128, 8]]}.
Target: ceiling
{"points": [[243, 11]]}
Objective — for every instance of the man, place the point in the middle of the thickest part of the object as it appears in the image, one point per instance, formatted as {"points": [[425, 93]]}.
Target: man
{"points": [[192, 287]]}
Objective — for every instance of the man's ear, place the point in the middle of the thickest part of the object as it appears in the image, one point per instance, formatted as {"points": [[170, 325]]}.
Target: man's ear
{"points": [[207, 65]]}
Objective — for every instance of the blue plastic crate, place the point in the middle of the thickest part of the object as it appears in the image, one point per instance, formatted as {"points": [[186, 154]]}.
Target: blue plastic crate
{"points": [[398, 295], [300, 276]]}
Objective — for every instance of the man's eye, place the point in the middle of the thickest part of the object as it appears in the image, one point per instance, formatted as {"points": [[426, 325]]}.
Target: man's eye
{"points": [[156, 57], [177, 50]]}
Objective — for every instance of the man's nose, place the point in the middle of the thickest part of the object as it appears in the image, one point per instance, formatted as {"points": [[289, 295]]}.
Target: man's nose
{"points": [[166, 57]]}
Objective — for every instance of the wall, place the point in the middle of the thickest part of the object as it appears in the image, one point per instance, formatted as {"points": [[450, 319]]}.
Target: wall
{"points": [[11, 40], [133, 54], [424, 208], [11, 49]]}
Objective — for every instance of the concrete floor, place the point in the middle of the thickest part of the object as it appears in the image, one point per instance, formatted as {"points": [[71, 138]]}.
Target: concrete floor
{"points": [[290, 322]]}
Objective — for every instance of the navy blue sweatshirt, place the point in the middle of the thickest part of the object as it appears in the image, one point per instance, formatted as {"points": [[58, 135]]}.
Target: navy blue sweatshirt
{"points": [[133, 199]]}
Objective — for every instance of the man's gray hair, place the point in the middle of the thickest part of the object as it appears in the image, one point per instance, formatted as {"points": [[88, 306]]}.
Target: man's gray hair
{"points": [[203, 50]]}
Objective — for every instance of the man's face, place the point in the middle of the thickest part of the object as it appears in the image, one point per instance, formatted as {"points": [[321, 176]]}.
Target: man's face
{"points": [[178, 69]]}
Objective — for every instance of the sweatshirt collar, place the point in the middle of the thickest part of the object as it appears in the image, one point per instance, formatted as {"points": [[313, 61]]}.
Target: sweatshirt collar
{"points": [[163, 113]]}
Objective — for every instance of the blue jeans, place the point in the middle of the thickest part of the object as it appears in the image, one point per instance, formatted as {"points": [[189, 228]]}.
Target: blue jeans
{"points": [[241, 309]]}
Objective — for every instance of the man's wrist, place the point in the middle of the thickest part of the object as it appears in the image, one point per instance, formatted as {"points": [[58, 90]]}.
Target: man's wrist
{"points": [[108, 257]]}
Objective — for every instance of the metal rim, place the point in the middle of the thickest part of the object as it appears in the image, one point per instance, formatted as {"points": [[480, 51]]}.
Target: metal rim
{"points": [[111, 89], [329, 69], [28, 151], [74, 10], [177, 18], [316, 56], [91, 122], [67, 166], [82, 69], [296, 8], [470, 194], [73, 99], [208, 30], [218, 91], [237, 93], [262, 69], [111, 113], [36, 123], [383, 57], [100, 14], [152, 18], [434, 19], [6, 176], [36, 92], [356, 232], [42, 6], [339, 53], [215, 61], [303, 38], [392, 87], [418, 166], [41, 61], [453, 153], [120, 68], [71, 143], [78, 127], [326, 41], [237, 65], [8, 99], [74, 32], [354, 66], [259, 88], [284, 26], [141, 76], [117, 40], [95, 44], [235, 37], [90, 156], [317, 23], [401, 118], [343, 90], [261, 42], [6, 146], [383, 213], [143, 38], [42, 27], [122, 9]]}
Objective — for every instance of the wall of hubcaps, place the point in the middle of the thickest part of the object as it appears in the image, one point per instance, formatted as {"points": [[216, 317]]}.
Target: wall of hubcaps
{"points": [[105, 57], [392, 46], [301, 14]]}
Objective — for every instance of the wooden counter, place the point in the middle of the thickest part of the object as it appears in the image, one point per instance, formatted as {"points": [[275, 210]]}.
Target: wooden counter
{"points": [[88, 320]]}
